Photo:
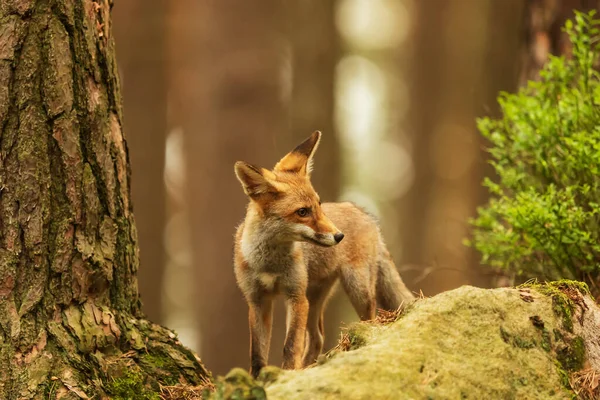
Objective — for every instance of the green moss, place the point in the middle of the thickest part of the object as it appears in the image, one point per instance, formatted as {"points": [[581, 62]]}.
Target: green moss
{"points": [[355, 337], [269, 374], [559, 291], [580, 286], [130, 386], [506, 337], [157, 361], [553, 287], [564, 377], [572, 356], [524, 343], [356, 341], [469, 341], [558, 335], [517, 341], [546, 341], [465, 343], [161, 367], [50, 389], [237, 385]]}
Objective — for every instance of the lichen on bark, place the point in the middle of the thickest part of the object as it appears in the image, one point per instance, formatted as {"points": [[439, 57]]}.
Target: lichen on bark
{"points": [[70, 314]]}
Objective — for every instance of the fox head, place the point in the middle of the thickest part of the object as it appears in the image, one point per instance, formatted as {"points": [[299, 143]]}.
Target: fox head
{"points": [[285, 199]]}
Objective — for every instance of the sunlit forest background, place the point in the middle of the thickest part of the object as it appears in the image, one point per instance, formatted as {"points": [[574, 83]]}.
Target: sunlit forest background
{"points": [[395, 87]]}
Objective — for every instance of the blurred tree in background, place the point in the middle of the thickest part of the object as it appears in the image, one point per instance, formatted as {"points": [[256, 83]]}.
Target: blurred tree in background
{"points": [[230, 97], [314, 53], [457, 69], [544, 35], [140, 31]]}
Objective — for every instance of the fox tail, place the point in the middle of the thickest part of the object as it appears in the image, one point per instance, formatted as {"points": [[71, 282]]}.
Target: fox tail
{"points": [[391, 290]]}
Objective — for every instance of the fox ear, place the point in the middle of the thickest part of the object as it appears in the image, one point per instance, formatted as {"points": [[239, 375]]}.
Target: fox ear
{"points": [[254, 180], [300, 159]]}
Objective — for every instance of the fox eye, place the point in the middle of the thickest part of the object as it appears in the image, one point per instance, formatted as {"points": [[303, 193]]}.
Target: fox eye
{"points": [[303, 212]]}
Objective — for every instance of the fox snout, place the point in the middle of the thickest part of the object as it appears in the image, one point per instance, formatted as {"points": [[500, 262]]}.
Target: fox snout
{"points": [[325, 239], [325, 232]]}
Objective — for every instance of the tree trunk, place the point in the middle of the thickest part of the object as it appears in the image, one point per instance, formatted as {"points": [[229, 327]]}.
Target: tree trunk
{"points": [[70, 319], [544, 20], [452, 76], [315, 53]]}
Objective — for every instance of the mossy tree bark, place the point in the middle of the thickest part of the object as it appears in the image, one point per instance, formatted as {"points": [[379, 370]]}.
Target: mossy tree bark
{"points": [[70, 319]]}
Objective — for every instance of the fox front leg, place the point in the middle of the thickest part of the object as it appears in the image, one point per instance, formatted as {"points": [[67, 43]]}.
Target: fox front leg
{"points": [[260, 317], [293, 349]]}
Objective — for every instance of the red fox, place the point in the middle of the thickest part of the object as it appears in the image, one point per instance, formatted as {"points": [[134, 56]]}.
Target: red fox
{"points": [[291, 244]]}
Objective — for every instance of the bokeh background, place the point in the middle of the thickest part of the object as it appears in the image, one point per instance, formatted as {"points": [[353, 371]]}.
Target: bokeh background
{"points": [[395, 87]]}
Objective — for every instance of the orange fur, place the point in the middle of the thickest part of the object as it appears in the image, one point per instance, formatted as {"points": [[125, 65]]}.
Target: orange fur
{"points": [[280, 249]]}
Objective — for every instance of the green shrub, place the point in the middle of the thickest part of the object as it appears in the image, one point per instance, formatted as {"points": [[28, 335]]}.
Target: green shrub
{"points": [[542, 219]]}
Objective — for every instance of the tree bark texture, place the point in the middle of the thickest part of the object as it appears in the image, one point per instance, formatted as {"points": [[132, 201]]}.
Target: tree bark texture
{"points": [[70, 318]]}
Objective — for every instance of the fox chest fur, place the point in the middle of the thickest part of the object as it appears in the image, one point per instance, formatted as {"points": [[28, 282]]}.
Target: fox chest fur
{"points": [[263, 261]]}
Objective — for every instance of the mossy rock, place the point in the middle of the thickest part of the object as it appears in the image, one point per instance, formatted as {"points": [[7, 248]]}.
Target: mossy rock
{"points": [[237, 385], [468, 343]]}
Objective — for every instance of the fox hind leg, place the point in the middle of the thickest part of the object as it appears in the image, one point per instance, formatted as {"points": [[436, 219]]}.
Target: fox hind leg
{"points": [[360, 286], [297, 312], [317, 295]]}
